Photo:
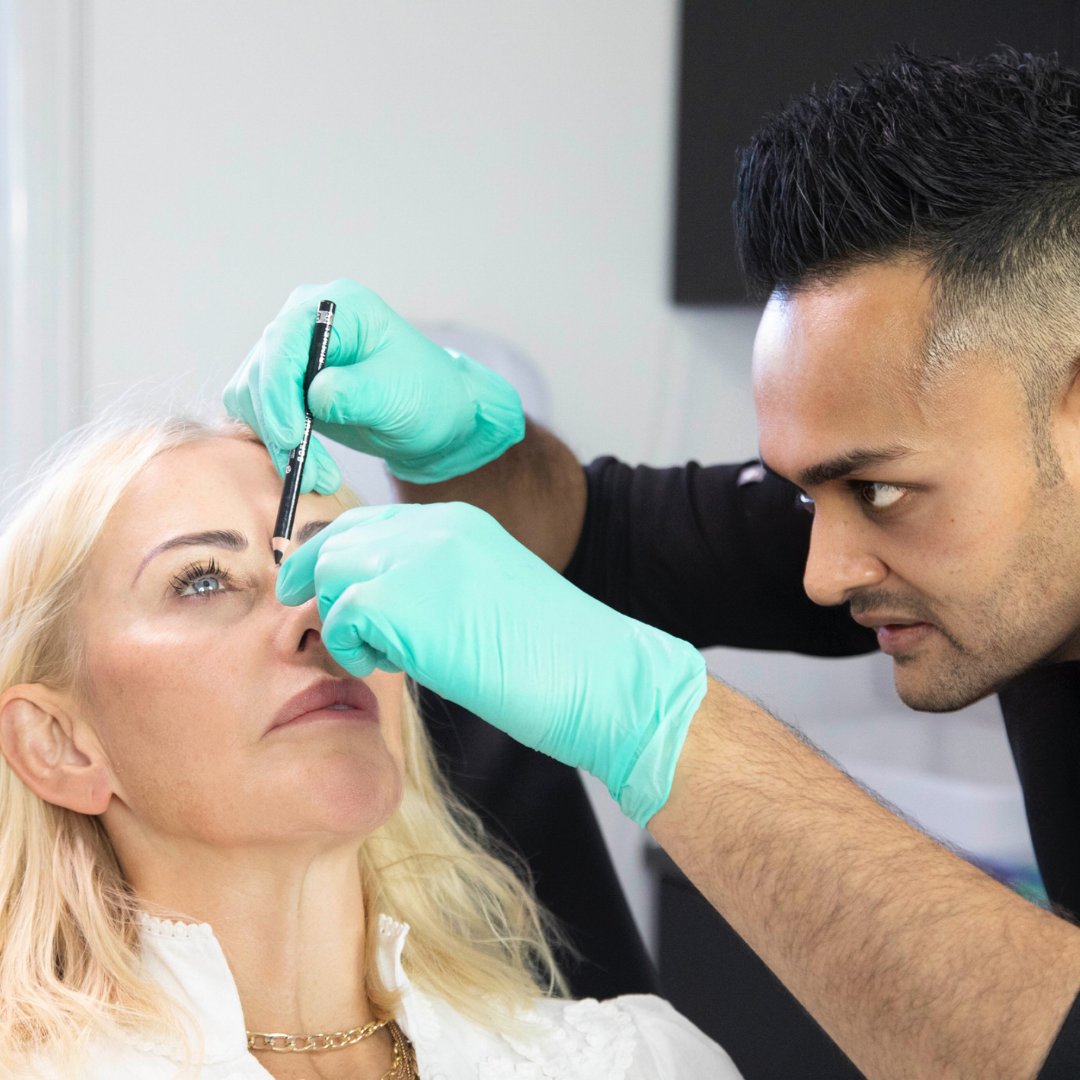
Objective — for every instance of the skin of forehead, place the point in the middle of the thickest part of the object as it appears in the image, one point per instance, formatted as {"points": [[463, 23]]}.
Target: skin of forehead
{"points": [[846, 361], [219, 483]]}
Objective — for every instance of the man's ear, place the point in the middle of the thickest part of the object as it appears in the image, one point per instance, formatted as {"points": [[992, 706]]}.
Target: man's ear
{"points": [[56, 757]]}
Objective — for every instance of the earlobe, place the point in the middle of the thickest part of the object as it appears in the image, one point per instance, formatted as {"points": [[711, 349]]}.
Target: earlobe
{"points": [[54, 757]]}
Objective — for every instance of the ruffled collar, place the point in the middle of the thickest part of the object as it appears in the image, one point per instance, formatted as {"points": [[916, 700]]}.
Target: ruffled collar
{"points": [[187, 961]]}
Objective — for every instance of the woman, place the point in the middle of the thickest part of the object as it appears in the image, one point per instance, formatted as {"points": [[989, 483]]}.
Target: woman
{"points": [[210, 833]]}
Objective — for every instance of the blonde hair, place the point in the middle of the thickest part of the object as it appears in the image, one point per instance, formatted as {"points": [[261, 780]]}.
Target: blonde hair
{"points": [[69, 947]]}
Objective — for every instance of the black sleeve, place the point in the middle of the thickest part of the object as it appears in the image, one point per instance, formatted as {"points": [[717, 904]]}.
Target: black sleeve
{"points": [[1063, 1061], [713, 555], [1041, 711]]}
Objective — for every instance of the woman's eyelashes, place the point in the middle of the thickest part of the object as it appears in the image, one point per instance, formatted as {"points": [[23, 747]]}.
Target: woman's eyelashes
{"points": [[201, 579]]}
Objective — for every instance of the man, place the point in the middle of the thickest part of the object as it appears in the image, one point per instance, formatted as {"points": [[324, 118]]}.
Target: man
{"points": [[918, 236]]}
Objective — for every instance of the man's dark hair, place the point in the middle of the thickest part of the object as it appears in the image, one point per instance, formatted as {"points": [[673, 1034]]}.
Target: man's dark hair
{"points": [[972, 169], [957, 162]]}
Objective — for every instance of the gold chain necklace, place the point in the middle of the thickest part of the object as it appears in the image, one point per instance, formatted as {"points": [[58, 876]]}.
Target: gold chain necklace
{"points": [[402, 1065]]}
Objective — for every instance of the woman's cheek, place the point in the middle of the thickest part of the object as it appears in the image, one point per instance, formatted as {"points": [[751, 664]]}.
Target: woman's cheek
{"points": [[389, 689], [151, 698]]}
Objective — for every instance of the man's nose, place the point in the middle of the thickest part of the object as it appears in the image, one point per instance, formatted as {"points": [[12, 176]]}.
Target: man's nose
{"points": [[840, 561]]}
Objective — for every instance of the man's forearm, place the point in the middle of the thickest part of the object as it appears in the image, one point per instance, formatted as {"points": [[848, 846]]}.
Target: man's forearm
{"points": [[536, 490], [916, 963]]}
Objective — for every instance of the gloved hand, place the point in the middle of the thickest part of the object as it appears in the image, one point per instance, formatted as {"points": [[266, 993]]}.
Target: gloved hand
{"points": [[387, 390], [444, 593]]}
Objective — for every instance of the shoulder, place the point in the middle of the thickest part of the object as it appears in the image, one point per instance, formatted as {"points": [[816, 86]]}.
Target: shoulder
{"points": [[629, 1038], [670, 1045]]}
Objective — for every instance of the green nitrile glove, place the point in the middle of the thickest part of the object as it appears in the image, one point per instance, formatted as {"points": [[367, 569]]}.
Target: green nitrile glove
{"points": [[444, 593], [387, 390]]}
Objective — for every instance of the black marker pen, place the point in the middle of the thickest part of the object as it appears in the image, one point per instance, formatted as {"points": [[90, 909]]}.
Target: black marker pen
{"points": [[294, 469]]}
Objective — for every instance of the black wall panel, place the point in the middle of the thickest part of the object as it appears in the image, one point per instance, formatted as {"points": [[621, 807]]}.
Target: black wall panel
{"points": [[742, 59]]}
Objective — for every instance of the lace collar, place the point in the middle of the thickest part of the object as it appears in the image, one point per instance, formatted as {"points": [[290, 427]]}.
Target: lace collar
{"points": [[186, 959]]}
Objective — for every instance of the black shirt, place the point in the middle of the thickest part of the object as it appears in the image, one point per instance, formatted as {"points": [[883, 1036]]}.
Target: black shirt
{"points": [[716, 556]]}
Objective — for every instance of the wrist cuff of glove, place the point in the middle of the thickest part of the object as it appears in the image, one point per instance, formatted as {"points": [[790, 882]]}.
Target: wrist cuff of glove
{"points": [[650, 775]]}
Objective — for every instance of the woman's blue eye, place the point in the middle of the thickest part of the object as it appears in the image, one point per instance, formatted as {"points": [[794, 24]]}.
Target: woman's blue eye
{"points": [[201, 579], [202, 586]]}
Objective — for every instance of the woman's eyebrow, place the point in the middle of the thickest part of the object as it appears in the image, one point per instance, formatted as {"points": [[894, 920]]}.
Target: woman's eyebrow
{"points": [[307, 531], [219, 538]]}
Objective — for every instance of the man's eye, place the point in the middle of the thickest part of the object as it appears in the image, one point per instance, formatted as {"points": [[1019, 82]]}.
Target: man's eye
{"points": [[881, 496], [805, 502]]}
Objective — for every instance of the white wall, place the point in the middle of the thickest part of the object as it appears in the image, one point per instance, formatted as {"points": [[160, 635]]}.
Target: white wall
{"points": [[42, 187], [505, 165]]}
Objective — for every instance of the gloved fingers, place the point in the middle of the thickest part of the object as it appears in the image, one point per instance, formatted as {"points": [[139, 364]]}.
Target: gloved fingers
{"points": [[360, 325], [282, 357], [357, 658], [374, 550], [279, 457], [353, 633], [296, 579], [377, 393], [241, 395], [237, 398], [362, 321], [321, 472], [243, 403]]}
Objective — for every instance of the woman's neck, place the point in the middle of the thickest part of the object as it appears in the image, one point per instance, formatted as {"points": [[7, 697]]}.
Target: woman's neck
{"points": [[290, 922]]}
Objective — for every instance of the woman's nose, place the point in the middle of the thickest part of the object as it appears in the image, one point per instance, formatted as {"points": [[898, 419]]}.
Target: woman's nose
{"points": [[839, 562], [300, 630]]}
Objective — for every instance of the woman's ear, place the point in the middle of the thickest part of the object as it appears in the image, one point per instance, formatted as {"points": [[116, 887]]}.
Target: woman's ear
{"points": [[56, 757]]}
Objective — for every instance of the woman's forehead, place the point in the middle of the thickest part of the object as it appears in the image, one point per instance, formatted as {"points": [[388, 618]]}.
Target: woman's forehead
{"points": [[209, 475], [216, 483]]}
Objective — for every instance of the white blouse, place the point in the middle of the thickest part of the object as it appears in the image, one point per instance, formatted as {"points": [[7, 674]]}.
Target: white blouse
{"points": [[638, 1037]]}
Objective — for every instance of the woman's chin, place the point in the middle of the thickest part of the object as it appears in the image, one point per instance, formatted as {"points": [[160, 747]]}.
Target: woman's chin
{"points": [[328, 799], [339, 801]]}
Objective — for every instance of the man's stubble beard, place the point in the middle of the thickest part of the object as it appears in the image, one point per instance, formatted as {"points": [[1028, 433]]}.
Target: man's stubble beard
{"points": [[1023, 623]]}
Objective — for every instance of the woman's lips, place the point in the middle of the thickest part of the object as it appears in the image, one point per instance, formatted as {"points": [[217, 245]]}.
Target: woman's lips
{"points": [[896, 638], [328, 699]]}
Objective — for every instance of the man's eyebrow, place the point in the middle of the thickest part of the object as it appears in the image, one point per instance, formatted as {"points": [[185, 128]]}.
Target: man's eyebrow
{"points": [[219, 538], [845, 464], [306, 532]]}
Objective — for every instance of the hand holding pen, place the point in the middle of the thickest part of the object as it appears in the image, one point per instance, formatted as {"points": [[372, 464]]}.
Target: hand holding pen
{"points": [[430, 413], [294, 468]]}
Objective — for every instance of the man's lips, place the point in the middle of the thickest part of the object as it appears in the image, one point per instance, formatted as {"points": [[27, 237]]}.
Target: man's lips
{"points": [[894, 633], [329, 699]]}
